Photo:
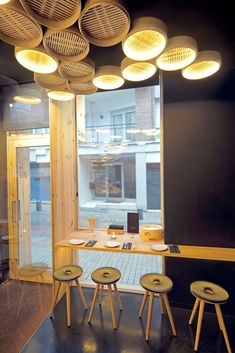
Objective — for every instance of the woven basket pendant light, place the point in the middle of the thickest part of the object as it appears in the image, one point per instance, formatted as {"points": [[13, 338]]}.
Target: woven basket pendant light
{"points": [[179, 53], [66, 44], [36, 60], [83, 88], [207, 63], [146, 39], [27, 100], [108, 77], [50, 81], [104, 22], [78, 71], [60, 95], [137, 70], [17, 27], [56, 14]]}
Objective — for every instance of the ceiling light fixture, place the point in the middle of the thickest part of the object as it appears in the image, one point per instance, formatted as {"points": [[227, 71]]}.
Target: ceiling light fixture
{"points": [[27, 100], [36, 60], [137, 70], [60, 95], [77, 71], [56, 14], [207, 63], [50, 81], [146, 40], [66, 44], [104, 22], [180, 52], [108, 77], [83, 88], [17, 27]]}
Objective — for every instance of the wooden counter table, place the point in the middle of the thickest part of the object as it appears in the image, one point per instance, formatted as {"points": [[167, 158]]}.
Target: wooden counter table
{"points": [[141, 247]]}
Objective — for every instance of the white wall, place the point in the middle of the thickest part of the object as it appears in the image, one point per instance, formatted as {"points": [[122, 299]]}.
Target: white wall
{"points": [[141, 190], [84, 177]]}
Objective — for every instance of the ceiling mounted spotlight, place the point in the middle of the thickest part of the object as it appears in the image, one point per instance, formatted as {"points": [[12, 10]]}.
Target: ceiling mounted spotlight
{"points": [[27, 100], [207, 63], [83, 88], [104, 22], [180, 52], [137, 70], [17, 27], [62, 95], [78, 71], [66, 44], [36, 59], [56, 14], [146, 39], [50, 81], [108, 77]]}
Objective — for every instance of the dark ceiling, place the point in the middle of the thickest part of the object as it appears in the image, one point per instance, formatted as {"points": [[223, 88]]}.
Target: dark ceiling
{"points": [[210, 23]]}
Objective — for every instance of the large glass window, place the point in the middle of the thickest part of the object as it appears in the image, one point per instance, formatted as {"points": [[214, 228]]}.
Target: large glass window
{"points": [[119, 161]]}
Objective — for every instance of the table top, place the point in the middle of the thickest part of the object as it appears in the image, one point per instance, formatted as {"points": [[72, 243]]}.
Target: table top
{"points": [[141, 247]]}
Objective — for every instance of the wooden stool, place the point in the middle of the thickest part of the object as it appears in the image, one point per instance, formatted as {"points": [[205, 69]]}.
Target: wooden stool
{"points": [[106, 276], [160, 285], [207, 292], [68, 274]]}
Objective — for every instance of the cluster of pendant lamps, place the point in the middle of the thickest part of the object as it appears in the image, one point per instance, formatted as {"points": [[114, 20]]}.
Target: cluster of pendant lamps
{"points": [[59, 57]]}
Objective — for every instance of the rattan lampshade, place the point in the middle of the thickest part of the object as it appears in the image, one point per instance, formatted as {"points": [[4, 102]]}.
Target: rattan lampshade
{"points": [[61, 95], [83, 88], [179, 52], [27, 99], [104, 22], [17, 27], [78, 71], [36, 59], [137, 70], [3, 2], [66, 44], [108, 77], [56, 14], [146, 39], [207, 63], [50, 81]]}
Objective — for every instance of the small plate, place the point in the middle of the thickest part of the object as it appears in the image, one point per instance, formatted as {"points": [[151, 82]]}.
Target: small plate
{"points": [[112, 244], [76, 241], [159, 247]]}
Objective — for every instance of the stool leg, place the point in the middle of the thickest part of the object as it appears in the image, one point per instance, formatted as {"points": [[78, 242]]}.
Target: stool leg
{"points": [[81, 294], [93, 302], [68, 304], [168, 309], [197, 301], [101, 291], [112, 307], [118, 297], [143, 303], [162, 305], [55, 299], [150, 309], [199, 324], [222, 326]]}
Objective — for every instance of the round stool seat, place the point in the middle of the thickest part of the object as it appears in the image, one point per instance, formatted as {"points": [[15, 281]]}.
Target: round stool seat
{"points": [[34, 269], [106, 275], [67, 273], [209, 292], [157, 283]]}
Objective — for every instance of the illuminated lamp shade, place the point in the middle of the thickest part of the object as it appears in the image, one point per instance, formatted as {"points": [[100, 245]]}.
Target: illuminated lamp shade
{"points": [[137, 70], [180, 52], [146, 39], [36, 60], [207, 63], [108, 77], [83, 88], [60, 95], [3, 2], [50, 81], [77, 71], [27, 100]]}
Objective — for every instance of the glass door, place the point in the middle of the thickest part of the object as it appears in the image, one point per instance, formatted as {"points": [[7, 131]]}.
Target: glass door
{"points": [[114, 178], [29, 201]]}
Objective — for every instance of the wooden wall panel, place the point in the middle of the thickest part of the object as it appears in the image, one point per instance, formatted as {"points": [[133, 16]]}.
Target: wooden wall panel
{"points": [[63, 175]]}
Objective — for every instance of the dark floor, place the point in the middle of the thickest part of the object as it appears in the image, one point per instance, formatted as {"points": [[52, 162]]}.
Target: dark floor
{"points": [[23, 307], [54, 337]]}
